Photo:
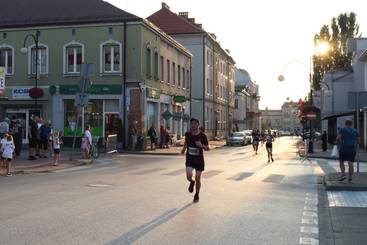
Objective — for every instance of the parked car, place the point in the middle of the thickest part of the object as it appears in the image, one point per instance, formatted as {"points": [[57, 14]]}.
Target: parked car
{"points": [[237, 138], [248, 137]]}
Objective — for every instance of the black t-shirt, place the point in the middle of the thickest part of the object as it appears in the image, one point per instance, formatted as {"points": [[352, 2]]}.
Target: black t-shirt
{"points": [[195, 154], [34, 129]]}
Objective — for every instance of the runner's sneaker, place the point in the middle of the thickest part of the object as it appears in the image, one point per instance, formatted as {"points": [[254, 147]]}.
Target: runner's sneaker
{"points": [[191, 186], [196, 197], [272, 159], [9, 175], [350, 180], [342, 177]]}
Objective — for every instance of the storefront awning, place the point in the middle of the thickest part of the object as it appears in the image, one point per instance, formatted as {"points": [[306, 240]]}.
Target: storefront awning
{"points": [[338, 115]]}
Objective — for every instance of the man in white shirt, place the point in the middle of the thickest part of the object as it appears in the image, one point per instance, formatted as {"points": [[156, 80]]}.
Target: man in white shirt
{"points": [[88, 134]]}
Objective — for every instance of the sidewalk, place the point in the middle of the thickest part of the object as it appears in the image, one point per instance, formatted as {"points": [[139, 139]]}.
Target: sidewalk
{"points": [[21, 164], [174, 150], [332, 173], [318, 153]]}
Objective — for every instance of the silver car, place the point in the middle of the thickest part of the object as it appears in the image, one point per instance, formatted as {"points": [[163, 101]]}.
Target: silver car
{"points": [[237, 138]]}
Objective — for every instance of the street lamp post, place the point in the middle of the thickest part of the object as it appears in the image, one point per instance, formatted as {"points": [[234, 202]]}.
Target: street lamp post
{"points": [[24, 50]]}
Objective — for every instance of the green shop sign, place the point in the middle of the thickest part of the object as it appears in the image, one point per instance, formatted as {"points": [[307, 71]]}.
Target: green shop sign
{"points": [[179, 98], [95, 89], [153, 93]]}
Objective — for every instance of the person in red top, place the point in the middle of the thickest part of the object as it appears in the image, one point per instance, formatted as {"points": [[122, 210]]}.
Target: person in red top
{"points": [[195, 144]]}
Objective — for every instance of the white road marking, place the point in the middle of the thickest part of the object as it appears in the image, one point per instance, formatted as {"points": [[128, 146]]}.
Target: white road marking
{"points": [[310, 229], [308, 241]]}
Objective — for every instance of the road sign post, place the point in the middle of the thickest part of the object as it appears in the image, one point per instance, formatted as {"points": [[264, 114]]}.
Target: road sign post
{"points": [[82, 98]]}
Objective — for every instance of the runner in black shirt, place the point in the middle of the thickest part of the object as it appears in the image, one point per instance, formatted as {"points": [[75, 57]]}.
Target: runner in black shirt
{"points": [[195, 142], [269, 138]]}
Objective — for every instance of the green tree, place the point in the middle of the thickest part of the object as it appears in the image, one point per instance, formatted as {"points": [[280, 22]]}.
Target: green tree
{"points": [[336, 35]]}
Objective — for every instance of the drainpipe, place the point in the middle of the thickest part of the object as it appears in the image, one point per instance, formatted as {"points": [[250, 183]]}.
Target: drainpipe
{"points": [[203, 122], [124, 91]]}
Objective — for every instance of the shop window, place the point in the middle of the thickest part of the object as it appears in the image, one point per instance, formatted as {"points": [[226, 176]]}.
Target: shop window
{"points": [[6, 59], [93, 116], [70, 119], [112, 106]]}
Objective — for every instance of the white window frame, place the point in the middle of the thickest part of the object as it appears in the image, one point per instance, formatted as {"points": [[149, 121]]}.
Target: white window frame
{"points": [[40, 45], [6, 46], [102, 61], [65, 58]]}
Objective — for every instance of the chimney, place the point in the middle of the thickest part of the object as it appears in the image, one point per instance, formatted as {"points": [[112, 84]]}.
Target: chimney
{"points": [[228, 51], [184, 14], [165, 5], [199, 25], [213, 36], [192, 20]]}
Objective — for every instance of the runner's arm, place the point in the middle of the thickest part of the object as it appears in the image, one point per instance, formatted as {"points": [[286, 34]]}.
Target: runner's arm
{"points": [[184, 147]]}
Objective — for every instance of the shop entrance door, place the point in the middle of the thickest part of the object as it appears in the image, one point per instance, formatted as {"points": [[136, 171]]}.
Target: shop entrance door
{"points": [[23, 115]]}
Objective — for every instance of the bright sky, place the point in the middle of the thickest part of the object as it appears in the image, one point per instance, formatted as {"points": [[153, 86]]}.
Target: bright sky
{"points": [[263, 35]]}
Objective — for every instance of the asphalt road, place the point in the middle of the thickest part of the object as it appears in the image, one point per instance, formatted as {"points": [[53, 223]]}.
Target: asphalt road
{"points": [[131, 199]]}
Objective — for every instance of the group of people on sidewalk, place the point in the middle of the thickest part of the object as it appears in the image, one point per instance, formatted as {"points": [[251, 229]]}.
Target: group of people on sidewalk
{"points": [[41, 138]]}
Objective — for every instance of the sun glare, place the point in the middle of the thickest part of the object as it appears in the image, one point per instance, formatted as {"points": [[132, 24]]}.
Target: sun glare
{"points": [[322, 48]]}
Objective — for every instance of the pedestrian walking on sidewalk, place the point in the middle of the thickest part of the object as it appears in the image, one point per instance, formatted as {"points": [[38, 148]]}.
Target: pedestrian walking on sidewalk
{"points": [[324, 141], [3, 140], [195, 144], [152, 133], [7, 152], [348, 140], [269, 138], [56, 144], [85, 146]]}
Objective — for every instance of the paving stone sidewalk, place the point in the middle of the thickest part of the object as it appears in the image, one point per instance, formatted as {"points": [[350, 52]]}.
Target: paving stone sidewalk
{"points": [[21, 164]]}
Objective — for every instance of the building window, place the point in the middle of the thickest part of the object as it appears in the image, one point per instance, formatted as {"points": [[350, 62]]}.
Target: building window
{"points": [[162, 68], [207, 85], [174, 73], [168, 71], [188, 79], [208, 57], [179, 76], [42, 59], [6, 59], [183, 78], [73, 57], [148, 62], [156, 63], [111, 57]]}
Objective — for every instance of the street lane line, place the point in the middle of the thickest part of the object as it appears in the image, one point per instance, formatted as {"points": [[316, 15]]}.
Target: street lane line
{"points": [[310, 229], [308, 241]]}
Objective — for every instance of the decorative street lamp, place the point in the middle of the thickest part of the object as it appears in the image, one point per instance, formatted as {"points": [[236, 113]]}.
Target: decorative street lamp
{"points": [[321, 48], [34, 92]]}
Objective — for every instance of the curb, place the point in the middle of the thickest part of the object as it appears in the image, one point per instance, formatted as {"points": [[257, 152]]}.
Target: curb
{"points": [[329, 186]]}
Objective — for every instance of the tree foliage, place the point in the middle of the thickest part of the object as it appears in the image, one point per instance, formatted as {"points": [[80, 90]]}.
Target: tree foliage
{"points": [[336, 35]]}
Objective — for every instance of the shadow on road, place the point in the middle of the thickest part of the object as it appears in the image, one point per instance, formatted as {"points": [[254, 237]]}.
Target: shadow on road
{"points": [[138, 232]]}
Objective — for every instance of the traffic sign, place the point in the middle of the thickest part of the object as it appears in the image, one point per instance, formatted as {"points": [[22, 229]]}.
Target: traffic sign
{"points": [[81, 99], [2, 80]]}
